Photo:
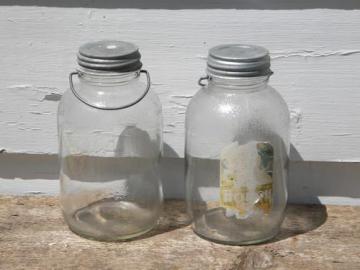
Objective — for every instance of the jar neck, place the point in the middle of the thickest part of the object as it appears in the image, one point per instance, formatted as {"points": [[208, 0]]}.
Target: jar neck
{"points": [[109, 89], [239, 83], [106, 78]]}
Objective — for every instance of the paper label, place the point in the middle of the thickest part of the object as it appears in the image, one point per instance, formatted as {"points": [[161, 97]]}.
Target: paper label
{"points": [[246, 179]]}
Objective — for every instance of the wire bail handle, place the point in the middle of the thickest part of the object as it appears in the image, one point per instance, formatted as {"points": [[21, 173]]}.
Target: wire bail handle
{"points": [[207, 77], [110, 108]]}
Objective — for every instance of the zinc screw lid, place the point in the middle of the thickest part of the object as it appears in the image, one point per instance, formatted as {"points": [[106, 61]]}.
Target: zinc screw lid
{"points": [[110, 55], [238, 60]]}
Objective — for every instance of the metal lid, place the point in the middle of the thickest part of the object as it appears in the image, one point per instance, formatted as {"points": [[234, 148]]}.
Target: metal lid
{"points": [[109, 55], [238, 60]]}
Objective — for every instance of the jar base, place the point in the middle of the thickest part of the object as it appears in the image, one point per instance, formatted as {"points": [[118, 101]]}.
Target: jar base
{"points": [[112, 239], [111, 220], [236, 243], [215, 226]]}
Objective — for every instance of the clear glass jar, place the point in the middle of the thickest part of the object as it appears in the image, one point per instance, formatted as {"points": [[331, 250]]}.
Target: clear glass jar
{"points": [[237, 145], [110, 134]]}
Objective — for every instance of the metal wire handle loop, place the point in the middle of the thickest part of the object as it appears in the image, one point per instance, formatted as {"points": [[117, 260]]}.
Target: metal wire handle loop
{"points": [[207, 77], [110, 108]]}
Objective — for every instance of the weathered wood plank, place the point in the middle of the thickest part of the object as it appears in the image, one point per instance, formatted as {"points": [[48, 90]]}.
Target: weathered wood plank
{"points": [[33, 236]]}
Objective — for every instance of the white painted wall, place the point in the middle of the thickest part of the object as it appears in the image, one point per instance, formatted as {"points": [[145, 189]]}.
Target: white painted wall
{"points": [[315, 48], [316, 60]]}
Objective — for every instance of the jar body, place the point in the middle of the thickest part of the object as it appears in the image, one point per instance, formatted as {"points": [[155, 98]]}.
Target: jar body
{"points": [[237, 145], [110, 183]]}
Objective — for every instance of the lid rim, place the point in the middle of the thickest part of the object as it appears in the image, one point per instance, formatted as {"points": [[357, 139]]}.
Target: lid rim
{"points": [[115, 67], [249, 73], [136, 53], [105, 61]]}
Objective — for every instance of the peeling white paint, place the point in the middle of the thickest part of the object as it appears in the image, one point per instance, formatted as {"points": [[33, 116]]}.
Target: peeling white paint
{"points": [[19, 86], [312, 53], [295, 119], [52, 97], [178, 104], [341, 134], [182, 96]]}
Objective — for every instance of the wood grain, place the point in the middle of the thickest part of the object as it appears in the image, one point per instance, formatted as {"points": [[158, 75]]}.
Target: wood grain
{"points": [[33, 236]]}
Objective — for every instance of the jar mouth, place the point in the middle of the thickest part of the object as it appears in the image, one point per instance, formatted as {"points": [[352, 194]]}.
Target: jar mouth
{"points": [[102, 73], [233, 75], [106, 77], [239, 82]]}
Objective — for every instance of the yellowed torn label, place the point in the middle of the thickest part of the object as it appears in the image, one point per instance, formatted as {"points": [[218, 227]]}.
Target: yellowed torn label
{"points": [[246, 179]]}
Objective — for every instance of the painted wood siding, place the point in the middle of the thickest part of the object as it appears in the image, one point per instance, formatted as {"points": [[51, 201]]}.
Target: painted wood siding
{"points": [[315, 53]]}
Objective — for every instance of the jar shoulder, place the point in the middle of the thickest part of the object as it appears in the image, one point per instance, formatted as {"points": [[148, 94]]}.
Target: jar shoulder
{"points": [[151, 98], [216, 119], [72, 112], [151, 101], [238, 104]]}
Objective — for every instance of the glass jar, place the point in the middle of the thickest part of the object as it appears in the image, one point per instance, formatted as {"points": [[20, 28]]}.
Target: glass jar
{"points": [[110, 134], [237, 145]]}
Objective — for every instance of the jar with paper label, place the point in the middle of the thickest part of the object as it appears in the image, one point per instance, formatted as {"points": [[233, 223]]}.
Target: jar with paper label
{"points": [[237, 146], [110, 134]]}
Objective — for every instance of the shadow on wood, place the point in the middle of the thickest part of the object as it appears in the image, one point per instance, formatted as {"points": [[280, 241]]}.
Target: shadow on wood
{"points": [[173, 217], [300, 219]]}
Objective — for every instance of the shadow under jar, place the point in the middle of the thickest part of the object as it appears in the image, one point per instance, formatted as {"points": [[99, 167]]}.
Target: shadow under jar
{"points": [[110, 135], [237, 145]]}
